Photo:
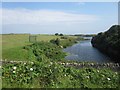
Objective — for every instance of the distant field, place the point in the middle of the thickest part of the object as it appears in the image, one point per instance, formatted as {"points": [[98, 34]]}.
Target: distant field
{"points": [[12, 45], [46, 37]]}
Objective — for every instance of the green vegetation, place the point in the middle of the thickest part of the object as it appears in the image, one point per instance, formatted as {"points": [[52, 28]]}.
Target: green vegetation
{"points": [[39, 65], [45, 49], [12, 45], [65, 41], [58, 34], [109, 42], [44, 73]]}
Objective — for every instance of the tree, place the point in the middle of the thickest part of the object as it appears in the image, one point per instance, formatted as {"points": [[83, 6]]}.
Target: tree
{"points": [[61, 34], [56, 34]]}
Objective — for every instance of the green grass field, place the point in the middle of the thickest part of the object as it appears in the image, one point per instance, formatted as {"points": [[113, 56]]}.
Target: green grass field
{"points": [[12, 45]]}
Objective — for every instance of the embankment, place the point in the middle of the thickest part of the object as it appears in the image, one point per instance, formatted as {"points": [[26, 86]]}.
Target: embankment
{"points": [[109, 42]]}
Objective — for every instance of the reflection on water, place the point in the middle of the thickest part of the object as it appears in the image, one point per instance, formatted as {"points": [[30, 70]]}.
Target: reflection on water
{"points": [[84, 51]]}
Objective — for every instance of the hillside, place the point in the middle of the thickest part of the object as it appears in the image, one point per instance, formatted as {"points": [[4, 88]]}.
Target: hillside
{"points": [[108, 42]]}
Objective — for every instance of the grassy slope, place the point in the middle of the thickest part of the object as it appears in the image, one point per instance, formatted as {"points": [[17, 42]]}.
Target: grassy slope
{"points": [[12, 45]]}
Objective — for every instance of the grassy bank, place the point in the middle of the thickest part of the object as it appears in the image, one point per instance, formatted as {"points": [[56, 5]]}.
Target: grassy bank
{"points": [[12, 45], [41, 65]]}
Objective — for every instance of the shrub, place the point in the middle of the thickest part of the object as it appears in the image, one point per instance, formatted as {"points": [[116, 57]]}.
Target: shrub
{"points": [[46, 49], [56, 34], [61, 34]]}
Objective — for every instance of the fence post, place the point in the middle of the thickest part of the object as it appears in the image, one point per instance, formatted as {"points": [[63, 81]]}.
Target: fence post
{"points": [[32, 38]]}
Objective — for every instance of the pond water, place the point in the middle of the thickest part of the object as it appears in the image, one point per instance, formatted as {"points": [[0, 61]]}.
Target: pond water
{"points": [[83, 51]]}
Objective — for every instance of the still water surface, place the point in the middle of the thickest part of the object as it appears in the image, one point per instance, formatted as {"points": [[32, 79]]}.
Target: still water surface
{"points": [[84, 51]]}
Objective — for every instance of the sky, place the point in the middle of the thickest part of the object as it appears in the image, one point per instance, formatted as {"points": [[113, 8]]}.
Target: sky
{"points": [[58, 17]]}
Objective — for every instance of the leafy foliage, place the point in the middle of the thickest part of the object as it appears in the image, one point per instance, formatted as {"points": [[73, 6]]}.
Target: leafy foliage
{"points": [[46, 49], [53, 75], [56, 41], [64, 41], [56, 34], [61, 34], [45, 71]]}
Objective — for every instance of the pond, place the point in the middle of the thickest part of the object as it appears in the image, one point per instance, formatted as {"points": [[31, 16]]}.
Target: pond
{"points": [[83, 51]]}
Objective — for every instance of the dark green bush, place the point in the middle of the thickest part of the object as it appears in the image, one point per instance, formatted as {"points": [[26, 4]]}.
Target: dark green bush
{"points": [[109, 42]]}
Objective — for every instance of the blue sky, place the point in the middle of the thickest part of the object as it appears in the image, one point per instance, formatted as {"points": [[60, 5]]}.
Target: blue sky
{"points": [[61, 17]]}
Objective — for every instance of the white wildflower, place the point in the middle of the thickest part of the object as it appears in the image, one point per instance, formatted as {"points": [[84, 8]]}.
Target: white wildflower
{"points": [[32, 62], [108, 79], [65, 75], [31, 69], [98, 71], [79, 64], [87, 76], [51, 63], [92, 64], [61, 46], [50, 70], [13, 71], [75, 63], [67, 63], [24, 63], [0, 66], [116, 73], [14, 68], [12, 61]]}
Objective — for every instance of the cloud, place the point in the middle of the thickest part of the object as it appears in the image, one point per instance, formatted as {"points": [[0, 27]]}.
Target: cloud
{"points": [[26, 16]]}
